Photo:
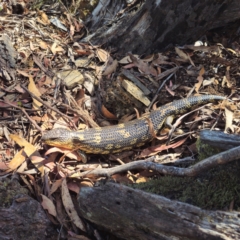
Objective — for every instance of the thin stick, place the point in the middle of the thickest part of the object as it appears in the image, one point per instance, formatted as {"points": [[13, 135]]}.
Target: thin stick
{"points": [[161, 86], [28, 117]]}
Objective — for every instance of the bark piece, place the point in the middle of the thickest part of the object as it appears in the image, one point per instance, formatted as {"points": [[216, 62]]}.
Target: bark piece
{"points": [[130, 76], [8, 57], [133, 214]]}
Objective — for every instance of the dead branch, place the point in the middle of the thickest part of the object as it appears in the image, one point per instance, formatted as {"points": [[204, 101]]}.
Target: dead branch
{"points": [[149, 164]]}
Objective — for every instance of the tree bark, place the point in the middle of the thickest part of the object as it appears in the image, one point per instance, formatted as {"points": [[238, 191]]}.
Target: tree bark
{"points": [[133, 214], [150, 25]]}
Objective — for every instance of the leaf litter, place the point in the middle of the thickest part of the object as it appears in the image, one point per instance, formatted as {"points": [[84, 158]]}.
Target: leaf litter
{"points": [[63, 83]]}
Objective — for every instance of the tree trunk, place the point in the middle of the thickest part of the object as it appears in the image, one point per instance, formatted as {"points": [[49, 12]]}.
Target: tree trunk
{"points": [[151, 25], [133, 214]]}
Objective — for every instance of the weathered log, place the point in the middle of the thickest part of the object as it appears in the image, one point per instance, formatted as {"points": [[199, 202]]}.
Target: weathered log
{"points": [[219, 139], [133, 214], [152, 24]]}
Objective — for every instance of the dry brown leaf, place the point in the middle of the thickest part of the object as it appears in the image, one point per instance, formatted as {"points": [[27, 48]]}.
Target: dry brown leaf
{"points": [[190, 60], [73, 186], [68, 153], [151, 151], [6, 133], [182, 54], [69, 207], [81, 126], [232, 51], [55, 48], [149, 58], [19, 89], [48, 205], [48, 81], [229, 84], [22, 167], [127, 59], [72, 30], [226, 81], [107, 113], [160, 59], [44, 118], [43, 18], [4, 166], [130, 65], [23, 73], [143, 66], [37, 160], [31, 46], [200, 80], [142, 180], [43, 45], [169, 90], [30, 150], [137, 113], [50, 166], [60, 123], [32, 88], [78, 25], [86, 184], [110, 68], [17, 160], [71, 78], [209, 82], [229, 119], [56, 185], [102, 55]]}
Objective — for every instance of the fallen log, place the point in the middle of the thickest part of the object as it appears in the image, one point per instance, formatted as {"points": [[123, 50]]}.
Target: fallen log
{"points": [[134, 214]]}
